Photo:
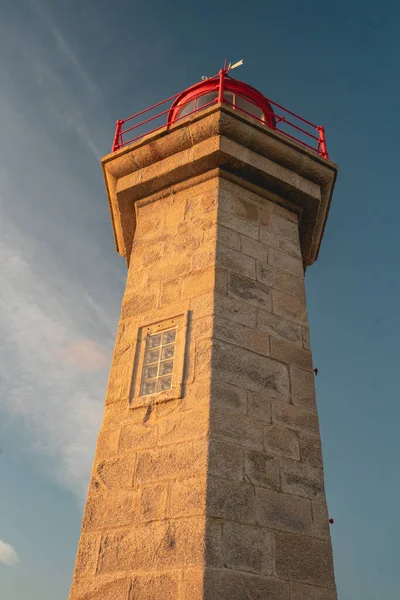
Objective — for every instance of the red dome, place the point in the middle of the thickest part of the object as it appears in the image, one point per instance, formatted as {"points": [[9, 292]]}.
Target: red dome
{"points": [[236, 94]]}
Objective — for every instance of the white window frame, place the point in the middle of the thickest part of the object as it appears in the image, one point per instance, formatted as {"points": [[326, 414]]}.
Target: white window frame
{"points": [[180, 324]]}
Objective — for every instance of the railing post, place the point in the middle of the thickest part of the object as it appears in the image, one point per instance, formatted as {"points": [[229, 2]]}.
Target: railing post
{"points": [[221, 86], [322, 143], [116, 142]]}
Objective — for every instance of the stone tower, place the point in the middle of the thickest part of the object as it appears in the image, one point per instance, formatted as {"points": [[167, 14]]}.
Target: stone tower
{"points": [[207, 481]]}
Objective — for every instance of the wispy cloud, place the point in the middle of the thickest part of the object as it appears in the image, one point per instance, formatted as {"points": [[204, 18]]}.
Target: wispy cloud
{"points": [[57, 322], [8, 555], [64, 46], [53, 373]]}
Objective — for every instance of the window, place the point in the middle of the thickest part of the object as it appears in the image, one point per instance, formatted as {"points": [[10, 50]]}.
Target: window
{"points": [[158, 369], [158, 362]]}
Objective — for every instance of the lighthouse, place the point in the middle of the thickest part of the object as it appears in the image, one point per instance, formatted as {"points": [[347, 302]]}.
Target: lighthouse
{"points": [[207, 481]]}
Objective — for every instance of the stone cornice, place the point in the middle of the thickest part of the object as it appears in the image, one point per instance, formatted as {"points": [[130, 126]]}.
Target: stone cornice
{"points": [[221, 140]]}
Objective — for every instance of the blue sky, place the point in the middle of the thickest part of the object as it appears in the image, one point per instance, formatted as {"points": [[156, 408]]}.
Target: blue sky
{"points": [[68, 71]]}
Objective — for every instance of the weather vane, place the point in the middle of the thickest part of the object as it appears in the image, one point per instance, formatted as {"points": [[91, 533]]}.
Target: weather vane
{"points": [[226, 68]]}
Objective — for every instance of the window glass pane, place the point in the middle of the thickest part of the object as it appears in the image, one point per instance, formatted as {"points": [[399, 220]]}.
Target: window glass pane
{"points": [[164, 384], [166, 367], [249, 107], [169, 337], [229, 96], [167, 352], [150, 371], [152, 356], [149, 387], [153, 341], [158, 362], [186, 109], [206, 99]]}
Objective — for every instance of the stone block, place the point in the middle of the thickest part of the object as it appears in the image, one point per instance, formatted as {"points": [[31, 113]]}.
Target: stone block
{"points": [[227, 331], [153, 502], [276, 510], [156, 585], [202, 306], [136, 436], [181, 241], [201, 328], [117, 412], [119, 381], [192, 584], [259, 406], [101, 588], [228, 237], [213, 543], [135, 304], [281, 441], [285, 228], [153, 253], [299, 288], [153, 546], [227, 584], [261, 469], [225, 460], [236, 311], [257, 341], [284, 212], [254, 248], [302, 480], [279, 327], [105, 510], [236, 261], [198, 282], [247, 548], [174, 211], [279, 243], [305, 332], [107, 443], [299, 591], [250, 371], [177, 265], [304, 559], [180, 461], [241, 208], [188, 498], [171, 291], [289, 307], [253, 292], [181, 425], [265, 216], [290, 354], [204, 256], [248, 228], [303, 388], [116, 472], [284, 262], [237, 428], [311, 451], [321, 526], [232, 500], [272, 277], [202, 359], [227, 397], [88, 552]]}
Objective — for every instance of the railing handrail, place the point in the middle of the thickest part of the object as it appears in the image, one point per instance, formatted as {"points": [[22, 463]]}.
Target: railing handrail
{"points": [[273, 119]]}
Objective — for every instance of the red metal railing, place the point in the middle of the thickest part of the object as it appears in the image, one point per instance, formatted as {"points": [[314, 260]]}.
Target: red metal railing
{"points": [[286, 122]]}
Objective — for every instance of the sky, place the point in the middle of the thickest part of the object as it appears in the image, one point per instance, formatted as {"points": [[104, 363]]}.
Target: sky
{"points": [[69, 70]]}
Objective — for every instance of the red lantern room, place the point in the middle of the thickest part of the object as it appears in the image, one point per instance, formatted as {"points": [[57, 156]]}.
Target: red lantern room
{"points": [[222, 88]]}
